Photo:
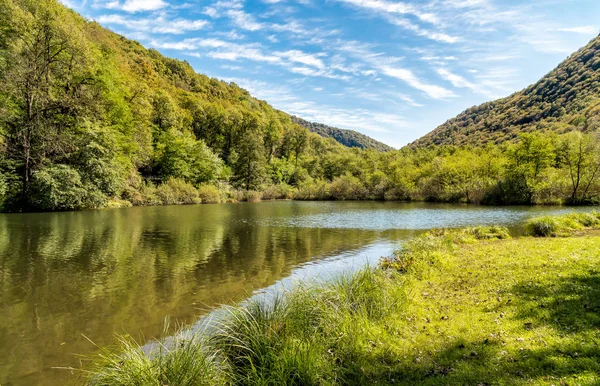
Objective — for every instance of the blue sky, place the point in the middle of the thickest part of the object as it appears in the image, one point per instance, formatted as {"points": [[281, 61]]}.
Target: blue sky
{"points": [[393, 70]]}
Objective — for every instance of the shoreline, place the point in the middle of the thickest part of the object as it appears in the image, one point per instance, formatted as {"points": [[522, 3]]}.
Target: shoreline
{"points": [[316, 334]]}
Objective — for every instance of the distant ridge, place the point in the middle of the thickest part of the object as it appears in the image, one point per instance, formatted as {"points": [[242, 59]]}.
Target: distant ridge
{"points": [[349, 138], [566, 99]]}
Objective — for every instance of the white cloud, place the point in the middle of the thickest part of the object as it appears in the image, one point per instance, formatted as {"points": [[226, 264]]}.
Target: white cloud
{"points": [[244, 20], [155, 25], [313, 65], [433, 35], [393, 8], [133, 6], [287, 100], [458, 81], [585, 30], [407, 76], [302, 57]]}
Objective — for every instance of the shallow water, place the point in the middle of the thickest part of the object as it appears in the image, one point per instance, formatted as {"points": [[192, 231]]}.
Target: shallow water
{"points": [[69, 277]]}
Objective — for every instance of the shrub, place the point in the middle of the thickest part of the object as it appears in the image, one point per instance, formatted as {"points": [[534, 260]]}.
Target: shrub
{"points": [[347, 187], [312, 190], [176, 191], [209, 194], [252, 196], [277, 192], [59, 187], [245, 195]]}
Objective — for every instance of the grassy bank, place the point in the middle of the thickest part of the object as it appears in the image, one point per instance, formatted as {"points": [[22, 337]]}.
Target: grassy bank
{"points": [[452, 307]]}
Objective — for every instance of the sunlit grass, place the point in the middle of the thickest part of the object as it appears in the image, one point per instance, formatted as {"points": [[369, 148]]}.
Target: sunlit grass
{"points": [[553, 226]]}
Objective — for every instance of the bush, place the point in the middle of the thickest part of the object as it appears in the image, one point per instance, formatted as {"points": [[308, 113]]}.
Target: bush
{"points": [[176, 192], [209, 194], [347, 187], [245, 195], [312, 190], [542, 227], [277, 192], [252, 196], [59, 187]]}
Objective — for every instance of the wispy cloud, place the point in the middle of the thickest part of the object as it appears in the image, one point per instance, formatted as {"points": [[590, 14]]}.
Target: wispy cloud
{"points": [[155, 25], [586, 30], [311, 64], [133, 6]]}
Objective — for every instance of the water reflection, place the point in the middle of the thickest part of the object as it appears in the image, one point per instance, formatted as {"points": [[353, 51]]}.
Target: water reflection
{"points": [[97, 273]]}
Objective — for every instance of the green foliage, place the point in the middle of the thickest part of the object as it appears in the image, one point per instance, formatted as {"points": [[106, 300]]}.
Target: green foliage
{"points": [[122, 121], [60, 187], [179, 155], [209, 194], [177, 192], [347, 187]]}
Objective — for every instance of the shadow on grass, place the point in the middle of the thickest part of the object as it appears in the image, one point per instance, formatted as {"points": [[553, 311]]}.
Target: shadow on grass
{"points": [[474, 364], [569, 305]]}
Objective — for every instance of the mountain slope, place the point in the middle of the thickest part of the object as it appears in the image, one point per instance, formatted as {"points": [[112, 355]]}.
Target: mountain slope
{"points": [[87, 115], [349, 138], [566, 99]]}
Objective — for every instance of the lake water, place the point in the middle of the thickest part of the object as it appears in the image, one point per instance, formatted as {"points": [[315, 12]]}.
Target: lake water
{"points": [[70, 278]]}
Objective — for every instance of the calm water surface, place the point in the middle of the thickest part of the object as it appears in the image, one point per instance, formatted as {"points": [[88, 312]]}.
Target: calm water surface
{"points": [[68, 276]]}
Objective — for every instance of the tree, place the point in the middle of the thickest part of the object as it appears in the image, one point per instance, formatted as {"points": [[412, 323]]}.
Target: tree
{"points": [[47, 89], [249, 163], [581, 155], [295, 142], [527, 160], [180, 155]]}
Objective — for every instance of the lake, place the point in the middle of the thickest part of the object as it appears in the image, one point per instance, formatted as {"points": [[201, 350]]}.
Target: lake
{"points": [[70, 279]]}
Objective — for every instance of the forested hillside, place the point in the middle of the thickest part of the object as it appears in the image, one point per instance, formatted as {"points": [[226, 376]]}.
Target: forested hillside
{"points": [[89, 119], [348, 138], [87, 115], [566, 99]]}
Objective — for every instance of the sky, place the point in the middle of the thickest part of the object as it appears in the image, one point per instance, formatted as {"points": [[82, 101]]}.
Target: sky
{"points": [[393, 70]]}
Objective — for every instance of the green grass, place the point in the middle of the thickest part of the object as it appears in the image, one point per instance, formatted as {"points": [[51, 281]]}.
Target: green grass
{"points": [[467, 307], [562, 226]]}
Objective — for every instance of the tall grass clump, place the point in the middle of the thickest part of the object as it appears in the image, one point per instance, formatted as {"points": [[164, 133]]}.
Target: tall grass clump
{"points": [[560, 226], [311, 335], [182, 360]]}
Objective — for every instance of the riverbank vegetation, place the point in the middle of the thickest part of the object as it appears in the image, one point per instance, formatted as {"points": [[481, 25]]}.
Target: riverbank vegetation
{"points": [[89, 119], [472, 306]]}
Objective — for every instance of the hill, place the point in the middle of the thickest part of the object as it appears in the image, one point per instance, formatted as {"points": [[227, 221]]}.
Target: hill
{"points": [[87, 115], [566, 99], [349, 138]]}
